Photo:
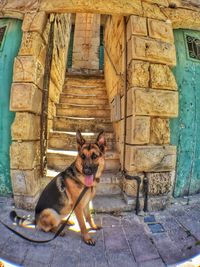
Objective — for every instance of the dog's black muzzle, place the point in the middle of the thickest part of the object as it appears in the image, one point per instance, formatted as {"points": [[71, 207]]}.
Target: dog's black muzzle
{"points": [[90, 169]]}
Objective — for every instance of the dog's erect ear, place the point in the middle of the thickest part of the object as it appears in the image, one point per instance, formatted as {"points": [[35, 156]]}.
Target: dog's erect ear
{"points": [[101, 141], [79, 138]]}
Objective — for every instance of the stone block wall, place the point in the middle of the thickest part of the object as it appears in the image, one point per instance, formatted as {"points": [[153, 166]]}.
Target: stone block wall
{"points": [[114, 49], [62, 28], [152, 99], [152, 96], [26, 99]]}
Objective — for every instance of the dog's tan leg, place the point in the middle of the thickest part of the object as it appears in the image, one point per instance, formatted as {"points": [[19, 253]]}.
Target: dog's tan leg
{"points": [[80, 217], [90, 220]]}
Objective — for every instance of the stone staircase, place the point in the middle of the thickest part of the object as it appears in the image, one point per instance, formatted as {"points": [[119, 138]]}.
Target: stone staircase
{"points": [[84, 105]]}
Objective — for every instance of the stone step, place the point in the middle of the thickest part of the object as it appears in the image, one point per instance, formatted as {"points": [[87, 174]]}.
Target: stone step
{"points": [[67, 140], [84, 86], [84, 106], [80, 111], [107, 189], [60, 159], [154, 202], [85, 91], [110, 182], [85, 73], [84, 80], [64, 123], [111, 204], [84, 100]]}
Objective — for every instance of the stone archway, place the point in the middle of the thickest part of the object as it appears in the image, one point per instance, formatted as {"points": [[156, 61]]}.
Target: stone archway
{"points": [[144, 62]]}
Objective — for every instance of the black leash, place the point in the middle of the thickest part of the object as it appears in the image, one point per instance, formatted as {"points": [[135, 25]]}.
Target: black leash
{"points": [[60, 228]]}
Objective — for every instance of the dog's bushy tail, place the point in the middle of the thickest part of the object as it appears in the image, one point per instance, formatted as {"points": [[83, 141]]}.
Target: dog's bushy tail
{"points": [[21, 221]]}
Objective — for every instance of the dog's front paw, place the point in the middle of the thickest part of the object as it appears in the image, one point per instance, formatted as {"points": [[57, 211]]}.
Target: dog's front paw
{"points": [[96, 227], [88, 240], [70, 223]]}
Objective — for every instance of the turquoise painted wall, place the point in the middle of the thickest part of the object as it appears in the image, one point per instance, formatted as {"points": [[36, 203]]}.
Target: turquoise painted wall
{"points": [[9, 47], [185, 130]]}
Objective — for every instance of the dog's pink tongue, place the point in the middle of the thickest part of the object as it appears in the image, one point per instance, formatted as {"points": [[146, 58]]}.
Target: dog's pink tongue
{"points": [[89, 180]]}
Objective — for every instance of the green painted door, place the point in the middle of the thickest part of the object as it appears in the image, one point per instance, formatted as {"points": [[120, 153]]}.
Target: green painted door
{"points": [[10, 39], [185, 130]]}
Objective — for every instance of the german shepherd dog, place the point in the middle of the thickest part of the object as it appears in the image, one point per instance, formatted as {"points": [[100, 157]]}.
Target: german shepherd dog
{"points": [[60, 195]]}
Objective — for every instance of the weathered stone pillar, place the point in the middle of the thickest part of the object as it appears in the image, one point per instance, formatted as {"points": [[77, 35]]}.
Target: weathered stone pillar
{"points": [[62, 26], [114, 47], [152, 100], [26, 100], [86, 41]]}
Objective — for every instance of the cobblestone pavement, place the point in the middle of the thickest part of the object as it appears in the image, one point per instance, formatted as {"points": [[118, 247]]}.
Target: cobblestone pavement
{"points": [[155, 239]]}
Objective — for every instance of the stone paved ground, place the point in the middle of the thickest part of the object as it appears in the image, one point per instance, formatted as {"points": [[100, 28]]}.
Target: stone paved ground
{"points": [[125, 240]]}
